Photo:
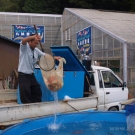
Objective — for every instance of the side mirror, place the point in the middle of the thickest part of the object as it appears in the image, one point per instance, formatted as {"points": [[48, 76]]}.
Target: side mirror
{"points": [[124, 85]]}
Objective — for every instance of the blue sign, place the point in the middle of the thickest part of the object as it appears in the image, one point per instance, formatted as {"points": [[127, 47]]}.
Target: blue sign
{"points": [[21, 31], [84, 41]]}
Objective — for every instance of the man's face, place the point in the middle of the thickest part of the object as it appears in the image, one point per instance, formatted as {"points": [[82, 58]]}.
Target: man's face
{"points": [[33, 43]]}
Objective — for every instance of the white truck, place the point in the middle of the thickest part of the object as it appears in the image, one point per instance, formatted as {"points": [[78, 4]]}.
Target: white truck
{"points": [[109, 88], [106, 92]]}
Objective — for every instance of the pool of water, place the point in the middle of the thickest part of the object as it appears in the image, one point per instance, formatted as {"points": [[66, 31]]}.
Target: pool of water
{"points": [[84, 128], [88, 123]]}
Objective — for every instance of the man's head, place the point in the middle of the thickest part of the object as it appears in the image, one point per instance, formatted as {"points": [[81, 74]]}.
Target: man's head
{"points": [[34, 41]]}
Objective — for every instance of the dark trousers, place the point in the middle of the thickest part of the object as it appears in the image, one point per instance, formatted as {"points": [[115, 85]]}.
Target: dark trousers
{"points": [[30, 91]]}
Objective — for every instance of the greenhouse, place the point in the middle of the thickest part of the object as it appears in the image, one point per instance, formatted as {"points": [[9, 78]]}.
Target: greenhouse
{"points": [[51, 26], [112, 39]]}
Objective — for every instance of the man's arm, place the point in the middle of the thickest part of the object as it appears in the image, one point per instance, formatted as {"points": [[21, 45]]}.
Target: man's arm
{"points": [[33, 37]]}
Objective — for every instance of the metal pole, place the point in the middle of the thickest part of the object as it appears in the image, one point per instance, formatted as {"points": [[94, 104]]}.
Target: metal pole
{"points": [[61, 31], [125, 62], [39, 41]]}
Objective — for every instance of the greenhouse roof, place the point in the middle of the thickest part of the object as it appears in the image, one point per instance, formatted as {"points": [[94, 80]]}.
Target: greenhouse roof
{"points": [[120, 25]]}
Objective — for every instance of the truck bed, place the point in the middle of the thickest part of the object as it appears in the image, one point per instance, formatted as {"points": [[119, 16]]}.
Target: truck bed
{"points": [[128, 101], [124, 103], [11, 112]]}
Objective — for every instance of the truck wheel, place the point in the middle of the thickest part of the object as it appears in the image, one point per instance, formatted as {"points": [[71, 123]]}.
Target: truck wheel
{"points": [[113, 109]]}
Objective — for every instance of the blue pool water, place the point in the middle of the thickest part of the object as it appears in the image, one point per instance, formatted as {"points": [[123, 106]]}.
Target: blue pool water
{"points": [[85, 128], [88, 123]]}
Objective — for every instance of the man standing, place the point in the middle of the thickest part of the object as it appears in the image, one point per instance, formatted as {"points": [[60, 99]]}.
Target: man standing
{"points": [[30, 91]]}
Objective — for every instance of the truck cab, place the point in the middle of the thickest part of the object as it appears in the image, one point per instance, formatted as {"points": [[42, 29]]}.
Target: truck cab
{"points": [[109, 88]]}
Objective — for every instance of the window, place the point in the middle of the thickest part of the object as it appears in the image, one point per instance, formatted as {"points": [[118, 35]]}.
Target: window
{"points": [[110, 80], [67, 35], [100, 80]]}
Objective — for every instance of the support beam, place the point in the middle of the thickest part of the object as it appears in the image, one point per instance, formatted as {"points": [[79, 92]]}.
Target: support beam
{"points": [[125, 62]]}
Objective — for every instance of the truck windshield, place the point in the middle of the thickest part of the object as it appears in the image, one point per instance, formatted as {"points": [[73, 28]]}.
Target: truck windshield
{"points": [[110, 80]]}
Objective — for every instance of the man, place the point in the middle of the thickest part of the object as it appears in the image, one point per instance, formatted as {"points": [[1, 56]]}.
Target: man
{"points": [[30, 91]]}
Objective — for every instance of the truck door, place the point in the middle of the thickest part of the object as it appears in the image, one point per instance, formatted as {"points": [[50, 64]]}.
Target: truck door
{"points": [[113, 88]]}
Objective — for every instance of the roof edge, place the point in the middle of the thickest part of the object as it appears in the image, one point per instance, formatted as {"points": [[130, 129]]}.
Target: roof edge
{"points": [[30, 14], [5, 38]]}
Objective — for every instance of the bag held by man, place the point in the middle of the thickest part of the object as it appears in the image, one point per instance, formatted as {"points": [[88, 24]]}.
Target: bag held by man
{"points": [[53, 78]]}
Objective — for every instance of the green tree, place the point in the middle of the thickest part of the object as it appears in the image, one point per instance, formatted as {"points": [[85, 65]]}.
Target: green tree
{"points": [[10, 5], [57, 6], [42, 6], [53, 6], [81, 3], [132, 5]]}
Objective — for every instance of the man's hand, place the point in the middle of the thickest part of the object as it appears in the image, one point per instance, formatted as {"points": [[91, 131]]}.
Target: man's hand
{"points": [[57, 57], [37, 37]]}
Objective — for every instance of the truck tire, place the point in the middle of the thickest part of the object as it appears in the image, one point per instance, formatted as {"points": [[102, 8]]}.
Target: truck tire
{"points": [[113, 109]]}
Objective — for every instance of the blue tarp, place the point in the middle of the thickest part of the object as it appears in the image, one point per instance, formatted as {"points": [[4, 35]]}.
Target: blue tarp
{"points": [[130, 108]]}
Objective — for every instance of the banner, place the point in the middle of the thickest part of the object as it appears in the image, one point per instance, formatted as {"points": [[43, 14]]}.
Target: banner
{"points": [[84, 41], [21, 31]]}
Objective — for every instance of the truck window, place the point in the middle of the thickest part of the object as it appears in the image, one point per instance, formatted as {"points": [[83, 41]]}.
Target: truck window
{"points": [[100, 80], [92, 82], [110, 80]]}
